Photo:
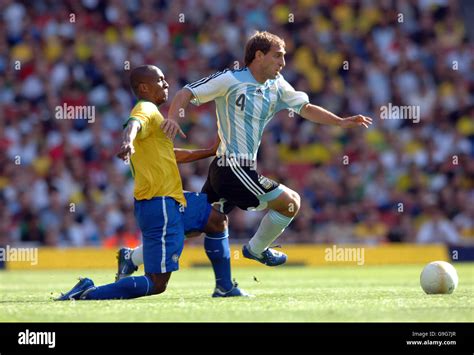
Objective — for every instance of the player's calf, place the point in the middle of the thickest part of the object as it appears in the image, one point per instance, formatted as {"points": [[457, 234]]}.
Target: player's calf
{"points": [[216, 245], [126, 288], [216, 223], [282, 211]]}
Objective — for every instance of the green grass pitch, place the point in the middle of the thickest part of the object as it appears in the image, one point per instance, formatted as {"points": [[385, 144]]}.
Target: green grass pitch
{"points": [[284, 294]]}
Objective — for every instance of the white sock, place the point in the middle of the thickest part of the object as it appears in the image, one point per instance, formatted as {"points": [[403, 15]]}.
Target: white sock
{"points": [[271, 226], [137, 255]]}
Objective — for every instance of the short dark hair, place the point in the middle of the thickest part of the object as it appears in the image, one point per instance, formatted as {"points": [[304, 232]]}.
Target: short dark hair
{"points": [[261, 41], [141, 75]]}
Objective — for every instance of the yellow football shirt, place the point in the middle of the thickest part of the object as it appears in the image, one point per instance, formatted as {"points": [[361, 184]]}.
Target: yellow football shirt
{"points": [[153, 164]]}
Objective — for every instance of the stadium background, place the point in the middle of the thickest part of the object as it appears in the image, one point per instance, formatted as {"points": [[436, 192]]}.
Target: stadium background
{"points": [[61, 186]]}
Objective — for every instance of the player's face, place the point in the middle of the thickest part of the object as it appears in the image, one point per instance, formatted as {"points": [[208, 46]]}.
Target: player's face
{"points": [[159, 87], [274, 62]]}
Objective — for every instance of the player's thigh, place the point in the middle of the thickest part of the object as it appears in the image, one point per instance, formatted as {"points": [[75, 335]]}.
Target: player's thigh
{"points": [[196, 213], [217, 200], [160, 221], [244, 187]]}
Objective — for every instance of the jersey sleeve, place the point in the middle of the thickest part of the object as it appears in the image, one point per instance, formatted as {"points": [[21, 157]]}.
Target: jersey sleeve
{"points": [[211, 87], [289, 98], [143, 112]]}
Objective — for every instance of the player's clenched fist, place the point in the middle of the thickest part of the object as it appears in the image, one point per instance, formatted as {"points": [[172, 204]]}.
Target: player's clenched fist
{"points": [[126, 151]]}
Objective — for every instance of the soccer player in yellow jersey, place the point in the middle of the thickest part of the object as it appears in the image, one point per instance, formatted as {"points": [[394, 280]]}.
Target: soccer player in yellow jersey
{"points": [[162, 211]]}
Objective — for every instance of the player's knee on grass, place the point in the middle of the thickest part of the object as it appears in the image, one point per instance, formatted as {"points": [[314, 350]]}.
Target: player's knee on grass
{"points": [[216, 223], [160, 281]]}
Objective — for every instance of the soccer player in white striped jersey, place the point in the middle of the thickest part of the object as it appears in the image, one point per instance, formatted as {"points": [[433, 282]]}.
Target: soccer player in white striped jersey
{"points": [[246, 100]]}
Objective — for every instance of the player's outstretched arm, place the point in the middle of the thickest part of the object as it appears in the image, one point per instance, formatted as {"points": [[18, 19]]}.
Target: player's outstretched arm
{"points": [[131, 131], [320, 115], [188, 156], [180, 101]]}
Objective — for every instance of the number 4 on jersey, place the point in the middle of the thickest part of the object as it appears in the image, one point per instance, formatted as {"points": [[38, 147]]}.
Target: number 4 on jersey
{"points": [[240, 102]]}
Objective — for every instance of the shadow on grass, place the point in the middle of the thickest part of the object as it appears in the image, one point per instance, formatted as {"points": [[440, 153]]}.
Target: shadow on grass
{"points": [[27, 301]]}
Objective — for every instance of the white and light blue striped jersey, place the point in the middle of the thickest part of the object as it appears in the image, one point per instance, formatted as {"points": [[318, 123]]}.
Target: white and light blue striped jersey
{"points": [[244, 107]]}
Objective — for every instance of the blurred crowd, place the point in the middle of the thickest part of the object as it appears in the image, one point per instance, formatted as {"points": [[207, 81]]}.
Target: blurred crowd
{"points": [[402, 180]]}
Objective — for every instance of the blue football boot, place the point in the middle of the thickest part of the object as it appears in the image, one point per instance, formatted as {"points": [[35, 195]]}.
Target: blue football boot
{"points": [[78, 292], [235, 291], [269, 257]]}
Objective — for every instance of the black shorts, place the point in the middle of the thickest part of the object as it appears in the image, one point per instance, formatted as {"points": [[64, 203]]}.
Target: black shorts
{"points": [[233, 183]]}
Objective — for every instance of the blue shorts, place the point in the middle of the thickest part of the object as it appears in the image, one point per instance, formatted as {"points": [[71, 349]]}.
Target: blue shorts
{"points": [[163, 222], [197, 211]]}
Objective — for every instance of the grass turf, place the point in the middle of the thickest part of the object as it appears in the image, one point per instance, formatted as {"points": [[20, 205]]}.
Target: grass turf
{"points": [[284, 294]]}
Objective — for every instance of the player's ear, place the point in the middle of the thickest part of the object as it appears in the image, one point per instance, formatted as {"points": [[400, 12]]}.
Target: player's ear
{"points": [[142, 87], [259, 54]]}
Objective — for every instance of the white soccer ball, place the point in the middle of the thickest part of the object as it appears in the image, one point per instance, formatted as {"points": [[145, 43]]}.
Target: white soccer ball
{"points": [[439, 277]]}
